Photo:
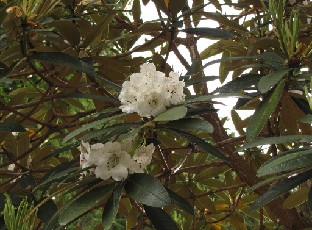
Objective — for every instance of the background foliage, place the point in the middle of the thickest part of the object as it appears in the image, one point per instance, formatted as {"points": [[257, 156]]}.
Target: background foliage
{"points": [[61, 69]]}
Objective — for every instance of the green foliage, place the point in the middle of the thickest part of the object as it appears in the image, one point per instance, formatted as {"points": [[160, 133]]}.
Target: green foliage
{"points": [[22, 217], [63, 65]]}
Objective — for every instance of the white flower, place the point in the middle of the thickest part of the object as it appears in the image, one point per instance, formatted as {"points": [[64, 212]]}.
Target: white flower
{"points": [[149, 92], [11, 167], [142, 158], [111, 160]]}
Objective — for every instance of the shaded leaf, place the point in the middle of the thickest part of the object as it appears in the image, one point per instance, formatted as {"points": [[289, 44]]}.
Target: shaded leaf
{"points": [[241, 83], [147, 190], [111, 207], [191, 124], [280, 188], [11, 126], [84, 203], [47, 210], [277, 140], [282, 163], [263, 112], [180, 201], [160, 219], [69, 30], [200, 143], [209, 32], [172, 114], [270, 80]]}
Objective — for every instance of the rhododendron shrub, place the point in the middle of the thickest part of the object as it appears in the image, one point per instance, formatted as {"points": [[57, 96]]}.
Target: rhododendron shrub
{"points": [[195, 115]]}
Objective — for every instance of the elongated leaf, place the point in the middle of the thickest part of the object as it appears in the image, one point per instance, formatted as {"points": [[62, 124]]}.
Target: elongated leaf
{"points": [[286, 162], [84, 203], [240, 83], [94, 124], [90, 96], [111, 207], [209, 32], [11, 126], [172, 114], [280, 188], [270, 80], [193, 99], [47, 210], [180, 201], [72, 62], [147, 190], [263, 112], [277, 140], [64, 59], [191, 124], [160, 219], [200, 143]]}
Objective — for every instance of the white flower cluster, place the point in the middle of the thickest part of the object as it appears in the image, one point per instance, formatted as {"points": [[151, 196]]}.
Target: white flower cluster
{"points": [[149, 92], [112, 159]]}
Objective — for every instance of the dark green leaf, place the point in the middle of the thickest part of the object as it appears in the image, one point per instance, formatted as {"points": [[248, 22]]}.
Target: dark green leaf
{"points": [[270, 80], [240, 83], [200, 143], [286, 162], [61, 150], [72, 62], [47, 210], [111, 207], [264, 111], [191, 124], [193, 99], [281, 188], [277, 140], [97, 123], [180, 201], [84, 203], [209, 32], [160, 219], [11, 126], [147, 190], [172, 114]]}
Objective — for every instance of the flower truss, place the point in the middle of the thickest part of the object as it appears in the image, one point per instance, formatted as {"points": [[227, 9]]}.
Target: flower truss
{"points": [[113, 161], [149, 92]]}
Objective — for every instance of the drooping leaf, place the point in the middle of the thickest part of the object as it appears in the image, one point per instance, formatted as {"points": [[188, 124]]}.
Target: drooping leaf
{"points": [[11, 126], [160, 219], [270, 80], [180, 201], [191, 124], [277, 140], [200, 143], [263, 112], [172, 114], [69, 30], [111, 207], [84, 203], [282, 163], [147, 190], [136, 10], [90, 96], [280, 188], [210, 32]]}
